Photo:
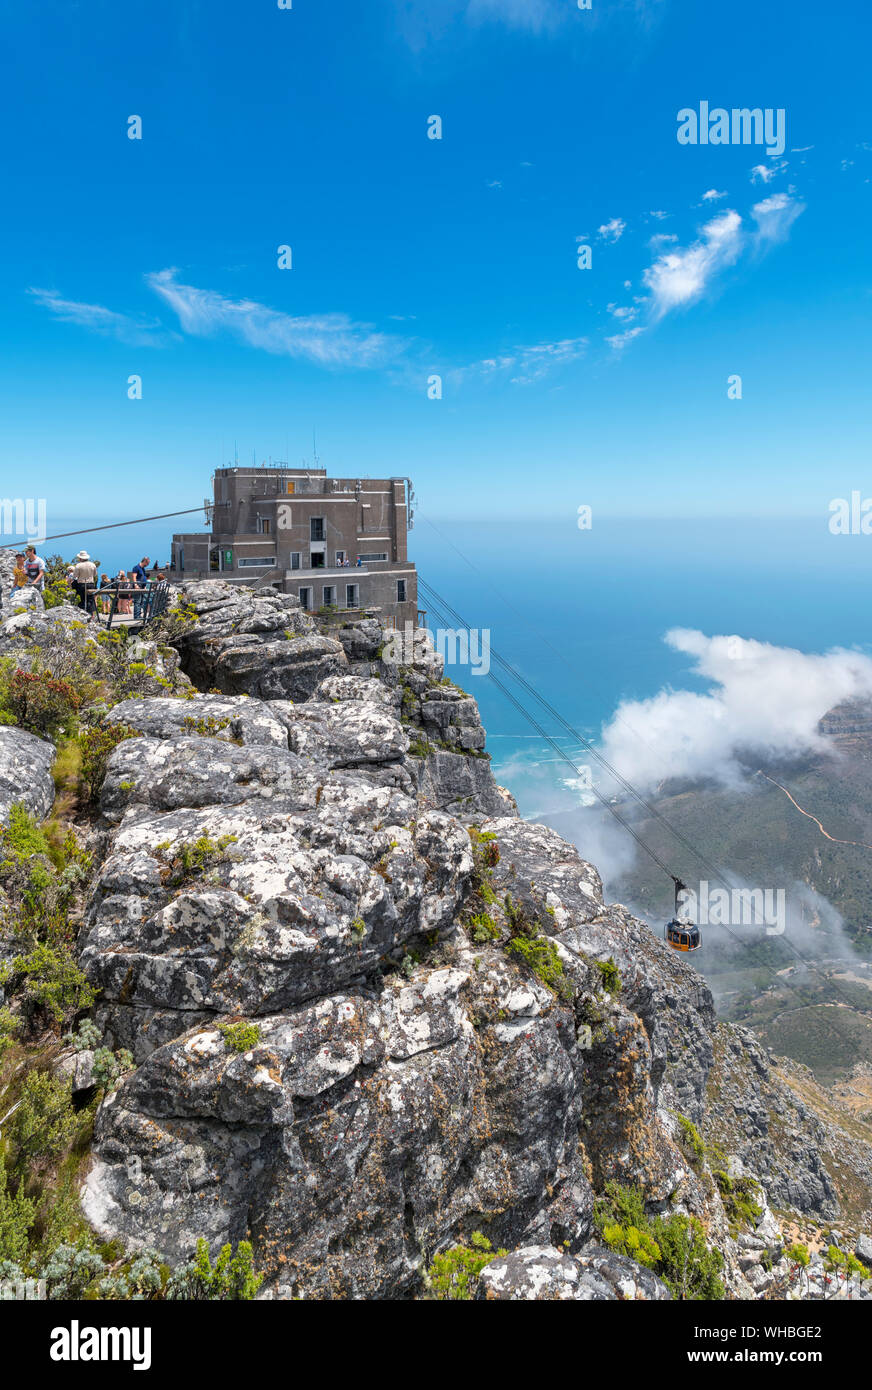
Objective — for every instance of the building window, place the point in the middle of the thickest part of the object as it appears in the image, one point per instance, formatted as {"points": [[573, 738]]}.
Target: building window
{"points": [[181, 558], [255, 562], [401, 591], [329, 592], [373, 558], [290, 489], [306, 599], [263, 525], [352, 596], [316, 528], [295, 559], [340, 557]]}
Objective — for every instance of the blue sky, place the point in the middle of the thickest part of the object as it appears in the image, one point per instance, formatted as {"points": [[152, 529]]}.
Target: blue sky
{"points": [[412, 257]]}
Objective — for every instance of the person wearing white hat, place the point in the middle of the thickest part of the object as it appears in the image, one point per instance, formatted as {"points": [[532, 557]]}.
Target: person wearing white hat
{"points": [[85, 578]]}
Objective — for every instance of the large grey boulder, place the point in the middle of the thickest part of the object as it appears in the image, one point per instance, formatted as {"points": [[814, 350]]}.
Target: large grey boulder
{"points": [[539, 1273], [551, 882], [355, 1132], [228, 718], [451, 717], [28, 600], [248, 642], [25, 773], [345, 734], [462, 785], [191, 771], [279, 907]]}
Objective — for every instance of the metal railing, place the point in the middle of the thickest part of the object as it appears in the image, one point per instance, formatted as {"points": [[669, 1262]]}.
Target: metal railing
{"points": [[151, 601]]}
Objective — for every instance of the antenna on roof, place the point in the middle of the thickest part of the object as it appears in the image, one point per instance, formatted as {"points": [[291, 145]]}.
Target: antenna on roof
{"points": [[314, 449]]}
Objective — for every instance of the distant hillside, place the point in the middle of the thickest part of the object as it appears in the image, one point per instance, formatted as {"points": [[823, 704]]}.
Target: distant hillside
{"points": [[767, 836]]}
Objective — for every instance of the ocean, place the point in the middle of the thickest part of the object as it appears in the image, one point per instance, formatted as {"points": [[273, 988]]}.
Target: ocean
{"points": [[582, 615]]}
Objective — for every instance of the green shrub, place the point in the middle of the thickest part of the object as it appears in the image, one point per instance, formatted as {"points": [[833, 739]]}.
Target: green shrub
{"points": [[110, 1066], [44, 1122], [10, 1027], [610, 975], [50, 982], [207, 727], [798, 1254], [842, 1262], [357, 931], [690, 1139], [232, 1277], [40, 874], [17, 1215], [98, 742], [454, 1273], [638, 1244], [538, 952], [56, 590], [87, 1037], [175, 623], [191, 858], [483, 927], [737, 1195], [40, 703], [673, 1247], [240, 1037], [71, 1271]]}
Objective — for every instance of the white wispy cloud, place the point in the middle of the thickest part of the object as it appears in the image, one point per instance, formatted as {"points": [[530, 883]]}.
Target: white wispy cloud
{"points": [[106, 322], [762, 701], [518, 14], [612, 231], [765, 173], [329, 340], [424, 20], [618, 341], [661, 239], [680, 277], [712, 196], [525, 364], [775, 216], [623, 311]]}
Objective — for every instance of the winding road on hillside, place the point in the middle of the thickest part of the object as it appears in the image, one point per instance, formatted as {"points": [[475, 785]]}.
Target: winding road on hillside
{"points": [[859, 844]]}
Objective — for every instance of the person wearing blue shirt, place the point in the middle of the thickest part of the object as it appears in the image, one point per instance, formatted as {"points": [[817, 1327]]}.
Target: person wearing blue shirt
{"points": [[140, 579]]}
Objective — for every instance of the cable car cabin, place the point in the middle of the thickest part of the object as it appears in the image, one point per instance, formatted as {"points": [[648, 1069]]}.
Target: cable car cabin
{"points": [[683, 936]]}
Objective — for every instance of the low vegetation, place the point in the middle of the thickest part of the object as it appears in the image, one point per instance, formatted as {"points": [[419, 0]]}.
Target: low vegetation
{"points": [[453, 1275], [672, 1247]]}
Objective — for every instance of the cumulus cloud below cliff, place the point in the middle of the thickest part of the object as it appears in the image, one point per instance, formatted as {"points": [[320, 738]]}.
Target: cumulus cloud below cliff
{"points": [[763, 701]]}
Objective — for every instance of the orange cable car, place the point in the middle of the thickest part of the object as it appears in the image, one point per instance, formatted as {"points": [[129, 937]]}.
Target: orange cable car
{"points": [[680, 934]]}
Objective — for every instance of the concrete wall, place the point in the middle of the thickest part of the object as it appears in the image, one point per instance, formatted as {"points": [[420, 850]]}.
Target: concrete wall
{"points": [[305, 524]]}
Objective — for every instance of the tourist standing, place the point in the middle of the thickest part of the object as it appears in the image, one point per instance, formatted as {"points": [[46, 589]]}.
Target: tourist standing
{"points": [[84, 580], [139, 575], [34, 568]]}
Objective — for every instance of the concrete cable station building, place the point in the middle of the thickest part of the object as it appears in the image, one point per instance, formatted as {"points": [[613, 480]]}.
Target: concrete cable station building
{"points": [[337, 543]]}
